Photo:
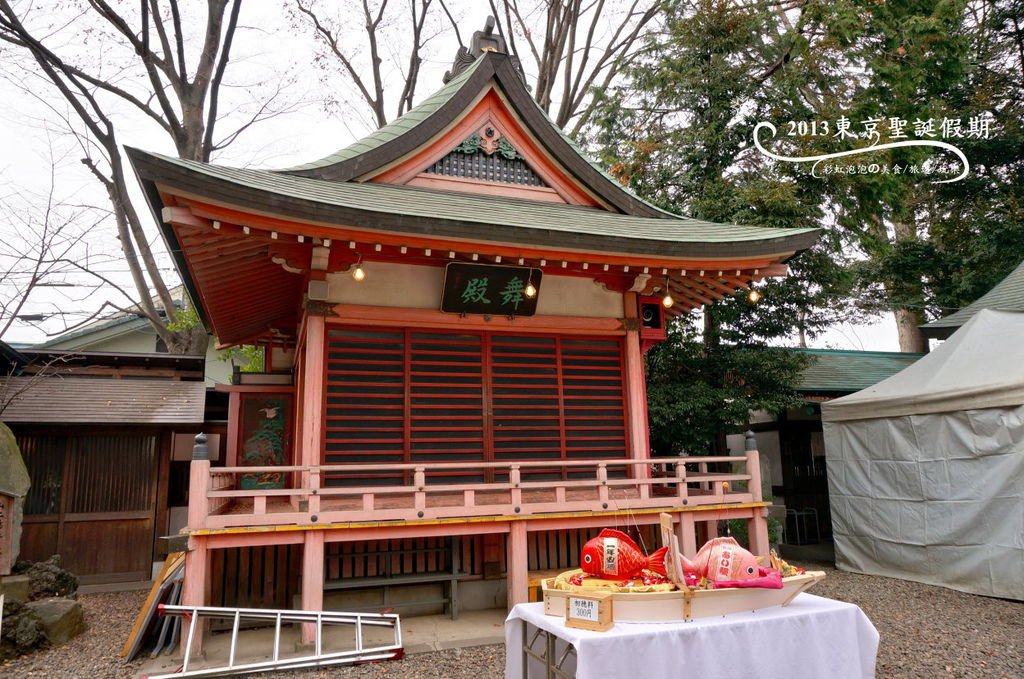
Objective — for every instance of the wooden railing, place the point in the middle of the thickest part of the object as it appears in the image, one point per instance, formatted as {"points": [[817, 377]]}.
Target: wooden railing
{"points": [[217, 501]]}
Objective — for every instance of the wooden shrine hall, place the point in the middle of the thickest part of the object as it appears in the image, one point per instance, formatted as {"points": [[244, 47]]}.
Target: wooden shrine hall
{"points": [[455, 310]]}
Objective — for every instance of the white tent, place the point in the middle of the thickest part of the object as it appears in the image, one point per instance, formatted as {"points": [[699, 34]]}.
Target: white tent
{"points": [[926, 468]]}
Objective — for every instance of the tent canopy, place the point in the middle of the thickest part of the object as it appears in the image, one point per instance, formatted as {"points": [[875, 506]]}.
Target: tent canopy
{"points": [[926, 468], [980, 366]]}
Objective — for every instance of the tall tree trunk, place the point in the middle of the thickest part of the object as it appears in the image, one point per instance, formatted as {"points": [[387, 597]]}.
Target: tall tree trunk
{"points": [[908, 322]]}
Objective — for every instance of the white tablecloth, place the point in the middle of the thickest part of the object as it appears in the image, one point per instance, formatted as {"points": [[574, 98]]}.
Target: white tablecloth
{"points": [[811, 638]]}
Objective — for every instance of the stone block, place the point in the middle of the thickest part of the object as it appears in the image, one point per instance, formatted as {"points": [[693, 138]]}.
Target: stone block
{"points": [[63, 619], [15, 587]]}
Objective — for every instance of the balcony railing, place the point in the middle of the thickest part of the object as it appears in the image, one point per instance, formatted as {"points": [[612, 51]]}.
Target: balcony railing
{"points": [[421, 491]]}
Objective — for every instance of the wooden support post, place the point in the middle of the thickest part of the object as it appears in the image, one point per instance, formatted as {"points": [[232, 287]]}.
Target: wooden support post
{"points": [[682, 490], [419, 480], [753, 466], [234, 429], [686, 531], [757, 532], [314, 491], [517, 567], [516, 495], [195, 587], [312, 579]]}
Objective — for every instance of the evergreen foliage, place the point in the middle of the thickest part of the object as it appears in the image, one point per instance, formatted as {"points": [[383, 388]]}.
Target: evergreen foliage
{"points": [[679, 132]]}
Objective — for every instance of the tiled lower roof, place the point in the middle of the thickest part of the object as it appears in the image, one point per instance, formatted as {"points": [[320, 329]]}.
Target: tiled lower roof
{"points": [[86, 400], [834, 370]]}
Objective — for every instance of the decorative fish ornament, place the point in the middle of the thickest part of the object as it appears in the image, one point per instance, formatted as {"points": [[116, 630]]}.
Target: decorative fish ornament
{"points": [[613, 554], [724, 562]]}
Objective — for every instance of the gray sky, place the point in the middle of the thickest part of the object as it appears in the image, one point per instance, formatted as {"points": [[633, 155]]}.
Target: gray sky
{"points": [[320, 123]]}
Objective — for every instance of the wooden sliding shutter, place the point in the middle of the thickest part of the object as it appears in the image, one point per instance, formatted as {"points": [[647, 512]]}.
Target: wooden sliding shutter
{"points": [[365, 408], [446, 409], [432, 396], [526, 401], [593, 391]]}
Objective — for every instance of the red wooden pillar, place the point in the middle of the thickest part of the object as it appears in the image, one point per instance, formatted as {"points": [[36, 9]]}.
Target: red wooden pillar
{"points": [[312, 392], [757, 526], [516, 569], [686, 531], [636, 389], [195, 588], [310, 455], [312, 579]]}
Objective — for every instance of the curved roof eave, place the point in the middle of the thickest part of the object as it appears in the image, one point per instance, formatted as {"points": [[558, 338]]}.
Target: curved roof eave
{"points": [[426, 212]]}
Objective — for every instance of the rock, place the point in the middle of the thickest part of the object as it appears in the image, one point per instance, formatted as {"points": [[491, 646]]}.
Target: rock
{"points": [[48, 579], [23, 631], [15, 587], [62, 619], [14, 479]]}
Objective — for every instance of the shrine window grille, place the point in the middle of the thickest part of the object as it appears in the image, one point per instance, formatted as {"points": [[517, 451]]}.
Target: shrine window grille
{"points": [[411, 395]]}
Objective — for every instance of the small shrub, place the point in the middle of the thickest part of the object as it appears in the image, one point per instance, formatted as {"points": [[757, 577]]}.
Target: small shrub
{"points": [[48, 579]]}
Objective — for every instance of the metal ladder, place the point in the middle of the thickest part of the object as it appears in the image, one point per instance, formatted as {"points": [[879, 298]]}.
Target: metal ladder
{"points": [[195, 614]]}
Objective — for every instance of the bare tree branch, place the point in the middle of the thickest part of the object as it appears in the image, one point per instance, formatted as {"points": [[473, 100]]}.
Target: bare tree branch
{"points": [[187, 109]]}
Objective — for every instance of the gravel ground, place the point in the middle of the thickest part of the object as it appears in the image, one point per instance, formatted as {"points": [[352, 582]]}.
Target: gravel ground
{"points": [[926, 632]]}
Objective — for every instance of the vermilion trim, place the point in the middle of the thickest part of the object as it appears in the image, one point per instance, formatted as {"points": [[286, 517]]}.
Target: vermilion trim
{"points": [[489, 108]]}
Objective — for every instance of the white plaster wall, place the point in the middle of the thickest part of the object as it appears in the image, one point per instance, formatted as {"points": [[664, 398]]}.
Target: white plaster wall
{"points": [[420, 287]]}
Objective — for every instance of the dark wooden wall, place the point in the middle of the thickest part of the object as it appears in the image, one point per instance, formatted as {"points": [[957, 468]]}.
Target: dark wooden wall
{"points": [[93, 499]]}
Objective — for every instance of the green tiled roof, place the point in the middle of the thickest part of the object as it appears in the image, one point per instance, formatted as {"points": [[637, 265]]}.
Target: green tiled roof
{"points": [[1007, 295], [833, 370], [396, 127], [448, 213], [98, 326], [428, 107]]}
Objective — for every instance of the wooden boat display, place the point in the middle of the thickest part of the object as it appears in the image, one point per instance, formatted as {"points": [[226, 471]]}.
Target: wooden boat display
{"points": [[688, 603], [684, 602]]}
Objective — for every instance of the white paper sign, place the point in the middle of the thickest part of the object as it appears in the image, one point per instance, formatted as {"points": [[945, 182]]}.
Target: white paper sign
{"points": [[583, 609]]}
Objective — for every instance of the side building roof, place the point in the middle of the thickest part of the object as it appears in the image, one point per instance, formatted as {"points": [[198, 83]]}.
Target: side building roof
{"points": [[834, 371], [87, 400], [1007, 295]]}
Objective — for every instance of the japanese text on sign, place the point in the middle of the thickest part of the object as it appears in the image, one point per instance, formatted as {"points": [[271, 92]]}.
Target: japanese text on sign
{"points": [[490, 289], [583, 609]]}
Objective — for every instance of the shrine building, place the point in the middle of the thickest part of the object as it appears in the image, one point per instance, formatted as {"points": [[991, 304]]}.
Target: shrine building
{"points": [[455, 310]]}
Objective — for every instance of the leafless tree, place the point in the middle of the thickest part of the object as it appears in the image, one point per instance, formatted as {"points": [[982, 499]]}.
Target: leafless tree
{"points": [[45, 241], [575, 47], [396, 36], [103, 60]]}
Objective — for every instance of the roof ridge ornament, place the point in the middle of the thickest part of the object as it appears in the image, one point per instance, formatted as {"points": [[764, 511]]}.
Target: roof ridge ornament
{"points": [[483, 42]]}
